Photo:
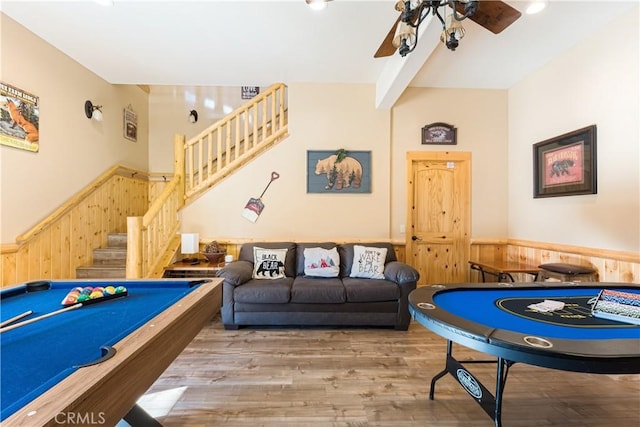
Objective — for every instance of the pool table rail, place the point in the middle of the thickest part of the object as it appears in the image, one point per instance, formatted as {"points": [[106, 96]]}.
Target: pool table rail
{"points": [[106, 392]]}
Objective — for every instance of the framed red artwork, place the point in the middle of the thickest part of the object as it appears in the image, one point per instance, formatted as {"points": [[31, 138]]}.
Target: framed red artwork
{"points": [[566, 165]]}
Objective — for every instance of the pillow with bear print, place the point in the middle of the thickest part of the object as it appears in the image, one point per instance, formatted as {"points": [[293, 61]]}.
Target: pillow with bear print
{"points": [[268, 263], [368, 262], [319, 262]]}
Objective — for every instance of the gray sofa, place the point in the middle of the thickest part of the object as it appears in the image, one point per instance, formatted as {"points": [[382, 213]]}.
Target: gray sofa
{"points": [[298, 299]]}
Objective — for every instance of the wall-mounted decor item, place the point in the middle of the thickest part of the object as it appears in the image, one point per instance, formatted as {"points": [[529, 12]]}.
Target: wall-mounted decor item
{"points": [[130, 124], [254, 206], [338, 171], [249, 92], [19, 118], [439, 134], [566, 165]]}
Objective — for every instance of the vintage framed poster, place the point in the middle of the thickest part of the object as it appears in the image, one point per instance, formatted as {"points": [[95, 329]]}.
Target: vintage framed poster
{"points": [[439, 134], [338, 172], [566, 165], [130, 126], [19, 118]]}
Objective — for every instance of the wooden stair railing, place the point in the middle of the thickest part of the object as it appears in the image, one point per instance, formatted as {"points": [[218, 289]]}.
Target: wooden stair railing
{"points": [[200, 163], [231, 142]]}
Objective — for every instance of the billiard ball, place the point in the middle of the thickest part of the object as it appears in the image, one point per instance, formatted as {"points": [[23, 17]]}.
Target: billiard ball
{"points": [[95, 295], [83, 297], [120, 289], [109, 290], [87, 290]]}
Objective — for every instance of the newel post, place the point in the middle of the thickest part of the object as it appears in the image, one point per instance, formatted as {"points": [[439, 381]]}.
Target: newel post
{"points": [[178, 165], [134, 247]]}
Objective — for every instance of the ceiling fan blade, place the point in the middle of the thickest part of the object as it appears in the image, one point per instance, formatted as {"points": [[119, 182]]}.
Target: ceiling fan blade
{"points": [[386, 47], [495, 16]]}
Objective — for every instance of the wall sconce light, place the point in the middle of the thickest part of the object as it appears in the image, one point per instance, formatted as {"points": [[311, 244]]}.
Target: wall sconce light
{"points": [[193, 116], [190, 245], [93, 111]]}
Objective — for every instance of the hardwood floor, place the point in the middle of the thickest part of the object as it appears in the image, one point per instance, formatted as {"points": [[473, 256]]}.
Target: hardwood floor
{"points": [[368, 377]]}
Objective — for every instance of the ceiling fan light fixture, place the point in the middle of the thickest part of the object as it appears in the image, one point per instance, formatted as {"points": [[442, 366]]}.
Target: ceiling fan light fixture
{"points": [[404, 33], [453, 33]]}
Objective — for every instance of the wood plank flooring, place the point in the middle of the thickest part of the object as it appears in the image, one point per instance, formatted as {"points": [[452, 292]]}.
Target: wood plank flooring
{"points": [[369, 377]]}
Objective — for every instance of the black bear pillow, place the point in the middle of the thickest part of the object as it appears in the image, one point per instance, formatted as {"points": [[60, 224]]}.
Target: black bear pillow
{"points": [[268, 263]]}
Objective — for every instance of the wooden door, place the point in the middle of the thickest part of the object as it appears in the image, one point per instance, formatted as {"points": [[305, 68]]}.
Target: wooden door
{"points": [[439, 215]]}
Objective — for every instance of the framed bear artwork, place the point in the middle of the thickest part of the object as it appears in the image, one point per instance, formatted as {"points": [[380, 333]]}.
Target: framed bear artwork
{"points": [[566, 165], [339, 171]]}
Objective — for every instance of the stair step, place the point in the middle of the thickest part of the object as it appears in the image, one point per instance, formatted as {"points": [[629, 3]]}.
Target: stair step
{"points": [[110, 256], [117, 240], [101, 272]]}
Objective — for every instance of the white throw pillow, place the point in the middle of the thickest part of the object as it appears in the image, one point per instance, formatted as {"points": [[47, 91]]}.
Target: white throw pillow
{"points": [[368, 262], [319, 262], [268, 263]]}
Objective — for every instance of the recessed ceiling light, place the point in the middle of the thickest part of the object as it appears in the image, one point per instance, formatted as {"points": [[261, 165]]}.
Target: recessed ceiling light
{"points": [[317, 4], [536, 6]]}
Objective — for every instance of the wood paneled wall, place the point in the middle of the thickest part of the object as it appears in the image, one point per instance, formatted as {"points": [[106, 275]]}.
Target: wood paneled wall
{"points": [[65, 240], [612, 266]]}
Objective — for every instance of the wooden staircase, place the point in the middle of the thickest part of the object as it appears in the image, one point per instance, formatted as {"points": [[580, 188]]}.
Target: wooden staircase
{"points": [[108, 262]]}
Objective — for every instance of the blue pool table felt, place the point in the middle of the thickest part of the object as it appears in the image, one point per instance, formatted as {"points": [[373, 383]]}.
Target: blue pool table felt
{"points": [[36, 357]]}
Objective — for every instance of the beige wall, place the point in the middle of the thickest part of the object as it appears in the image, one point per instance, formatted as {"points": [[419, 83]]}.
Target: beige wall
{"points": [[169, 108], [480, 117], [73, 149], [321, 117], [597, 82]]}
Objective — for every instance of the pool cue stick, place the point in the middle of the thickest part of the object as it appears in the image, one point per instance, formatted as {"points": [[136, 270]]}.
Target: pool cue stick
{"points": [[15, 319], [44, 316]]}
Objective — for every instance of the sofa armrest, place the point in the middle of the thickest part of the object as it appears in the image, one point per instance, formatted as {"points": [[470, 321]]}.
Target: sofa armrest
{"points": [[236, 273], [400, 273]]}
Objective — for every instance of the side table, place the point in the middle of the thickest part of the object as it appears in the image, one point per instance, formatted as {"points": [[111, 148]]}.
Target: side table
{"points": [[185, 269]]}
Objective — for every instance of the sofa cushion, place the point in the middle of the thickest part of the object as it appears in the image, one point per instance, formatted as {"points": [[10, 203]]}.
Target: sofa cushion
{"points": [[367, 290], [268, 263], [277, 291], [368, 262], [320, 262], [300, 247], [346, 255], [317, 290], [246, 254]]}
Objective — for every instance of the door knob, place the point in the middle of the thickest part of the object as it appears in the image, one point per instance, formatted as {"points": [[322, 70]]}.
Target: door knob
{"points": [[414, 238]]}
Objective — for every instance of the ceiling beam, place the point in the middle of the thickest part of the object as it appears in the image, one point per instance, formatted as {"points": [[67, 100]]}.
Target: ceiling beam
{"points": [[398, 72]]}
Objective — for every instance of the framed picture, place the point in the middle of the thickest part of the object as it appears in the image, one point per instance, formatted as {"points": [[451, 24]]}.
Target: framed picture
{"points": [[338, 172], [130, 124], [19, 118], [566, 165], [439, 134]]}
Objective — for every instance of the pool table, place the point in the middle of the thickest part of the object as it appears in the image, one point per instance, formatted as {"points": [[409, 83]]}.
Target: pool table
{"points": [[496, 319], [89, 365]]}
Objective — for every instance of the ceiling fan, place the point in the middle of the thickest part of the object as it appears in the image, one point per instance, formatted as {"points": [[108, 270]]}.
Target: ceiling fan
{"points": [[495, 16]]}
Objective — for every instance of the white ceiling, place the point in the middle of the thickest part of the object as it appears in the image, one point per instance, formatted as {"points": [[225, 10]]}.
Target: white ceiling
{"points": [[234, 43]]}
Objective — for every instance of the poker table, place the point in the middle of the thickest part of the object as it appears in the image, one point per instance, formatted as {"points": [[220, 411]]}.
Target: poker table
{"points": [[496, 319], [89, 365]]}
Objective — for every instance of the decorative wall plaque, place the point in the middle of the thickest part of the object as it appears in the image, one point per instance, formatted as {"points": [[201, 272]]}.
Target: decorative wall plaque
{"points": [[249, 92], [439, 133]]}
